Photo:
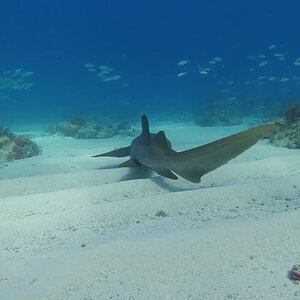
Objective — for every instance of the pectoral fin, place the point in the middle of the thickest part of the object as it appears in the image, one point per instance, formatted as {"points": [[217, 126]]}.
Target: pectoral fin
{"points": [[190, 175], [121, 152], [166, 173], [131, 163]]}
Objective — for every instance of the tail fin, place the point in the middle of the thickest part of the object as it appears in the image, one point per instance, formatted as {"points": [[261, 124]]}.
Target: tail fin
{"points": [[194, 163]]}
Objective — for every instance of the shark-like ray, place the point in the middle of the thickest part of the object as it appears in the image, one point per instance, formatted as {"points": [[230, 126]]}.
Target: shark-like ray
{"points": [[155, 151]]}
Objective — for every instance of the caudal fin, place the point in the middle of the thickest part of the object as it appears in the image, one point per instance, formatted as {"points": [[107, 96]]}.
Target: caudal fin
{"points": [[194, 163]]}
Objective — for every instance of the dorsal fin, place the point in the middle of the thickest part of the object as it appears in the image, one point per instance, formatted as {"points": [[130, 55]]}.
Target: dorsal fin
{"points": [[146, 137], [160, 143]]}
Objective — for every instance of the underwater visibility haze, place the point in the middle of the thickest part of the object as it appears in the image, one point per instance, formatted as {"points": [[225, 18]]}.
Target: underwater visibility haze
{"points": [[149, 150], [170, 59]]}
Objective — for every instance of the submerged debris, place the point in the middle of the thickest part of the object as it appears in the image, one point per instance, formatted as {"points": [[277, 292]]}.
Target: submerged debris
{"points": [[82, 129], [14, 147]]}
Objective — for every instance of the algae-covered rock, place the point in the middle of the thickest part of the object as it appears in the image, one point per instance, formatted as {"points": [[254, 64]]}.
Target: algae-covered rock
{"points": [[288, 133], [64, 129], [79, 128], [292, 114], [14, 147], [124, 125], [217, 118], [220, 109], [86, 133]]}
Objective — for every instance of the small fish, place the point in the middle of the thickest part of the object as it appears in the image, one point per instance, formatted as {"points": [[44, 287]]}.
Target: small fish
{"points": [[232, 98], [183, 62], [181, 74], [272, 47], [261, 78], [272, 78], [203, 71], [281, 58], [26, 74], [278, 54], [105, 68], [263, 63], [125, 102], [112, 78], [251, 70], [212, 62], [230, 82], [252, 57], [247, 82], [89, 65], [217, 59], [297, 61], [284, 79], [262, 56], [18, 71]]}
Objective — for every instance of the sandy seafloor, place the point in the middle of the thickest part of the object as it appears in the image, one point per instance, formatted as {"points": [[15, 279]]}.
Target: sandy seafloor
{"points": [[76, 227]]}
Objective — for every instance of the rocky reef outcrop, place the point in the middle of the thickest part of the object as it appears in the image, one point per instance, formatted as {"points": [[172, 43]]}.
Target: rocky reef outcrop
{"points": [[220, 109], [288, 133], [13, 147], [82, 129], [217, 118]]}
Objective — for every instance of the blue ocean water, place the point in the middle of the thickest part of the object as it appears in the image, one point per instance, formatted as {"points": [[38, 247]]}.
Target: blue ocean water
{"points": [[118, 59]]}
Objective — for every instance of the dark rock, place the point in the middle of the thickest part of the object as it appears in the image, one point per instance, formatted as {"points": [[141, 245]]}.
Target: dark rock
{"points": [[294, 273], [161, 213]]}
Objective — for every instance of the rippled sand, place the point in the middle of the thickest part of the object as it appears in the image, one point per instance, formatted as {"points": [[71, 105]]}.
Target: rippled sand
{"points": [[76, 227]]}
